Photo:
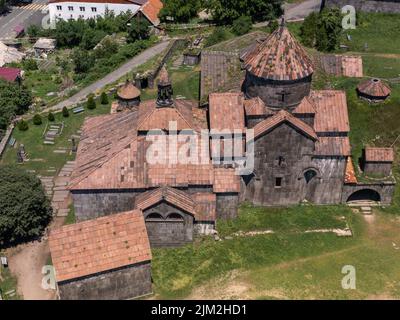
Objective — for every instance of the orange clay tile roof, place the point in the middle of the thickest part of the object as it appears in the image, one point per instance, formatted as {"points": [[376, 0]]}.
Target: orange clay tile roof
{"points": [[279, 57], [331, 111], [163, 77], [201, 205], [99, 245], [256, 107], [151, 9], [374, 88], [128, 91], [226, 180], [379, 154], [176, 197], [306, 106], [280, 117], [350, 175], [332, 146], [183, 112], [226, 111], [352, 66]]}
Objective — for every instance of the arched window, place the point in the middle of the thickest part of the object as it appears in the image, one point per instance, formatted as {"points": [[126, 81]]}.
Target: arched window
{"points": [[309, 175], [175, 216], [154, 216]]}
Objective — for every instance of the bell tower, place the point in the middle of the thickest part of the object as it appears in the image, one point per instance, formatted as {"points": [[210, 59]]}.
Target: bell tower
{"points": [[165, 92]]}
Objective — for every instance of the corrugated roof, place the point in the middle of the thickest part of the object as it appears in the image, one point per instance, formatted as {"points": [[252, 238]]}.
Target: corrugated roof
{"points": [[379, 154], [99, 245], [280, 117], [331, 111], [374, 88], [226, 111], [279, 57]]}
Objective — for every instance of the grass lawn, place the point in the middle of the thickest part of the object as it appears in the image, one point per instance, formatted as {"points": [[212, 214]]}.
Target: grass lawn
{"points": [[42, 157], [7, 283]]}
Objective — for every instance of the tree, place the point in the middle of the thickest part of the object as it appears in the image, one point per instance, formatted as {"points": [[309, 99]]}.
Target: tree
{"points": [[329, 29], [138, 30], [83, 60], [91, 38], [179, 10], [30, 65], [220, 34], [242, 25], [37, 119], [23, 125], [33, 31], [3, 6], [51, 117], [24, 208], [103, 98], [308, 30], [226, 11], [65, 112], [91, 104]]}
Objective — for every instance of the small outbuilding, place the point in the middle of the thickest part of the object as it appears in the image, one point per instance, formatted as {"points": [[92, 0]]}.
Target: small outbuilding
{"points": [[44, 46], [373, 90], [378, 161], [128, 96], [11, 74], [107, 258]]}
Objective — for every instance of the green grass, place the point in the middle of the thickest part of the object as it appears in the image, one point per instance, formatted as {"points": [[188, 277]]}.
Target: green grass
{"points": [[177, 271], [42, 157], [379, 30], [7, 283], [381, 67], [70, 218]]}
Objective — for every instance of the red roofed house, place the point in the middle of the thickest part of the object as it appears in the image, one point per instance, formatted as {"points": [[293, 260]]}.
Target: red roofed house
{"points": [[378, 161], [86, 9], [105, 258], [10, 74]]}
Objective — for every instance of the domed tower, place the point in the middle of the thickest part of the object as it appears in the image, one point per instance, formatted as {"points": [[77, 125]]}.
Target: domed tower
{"points": [[128, 95], [278, 70]]}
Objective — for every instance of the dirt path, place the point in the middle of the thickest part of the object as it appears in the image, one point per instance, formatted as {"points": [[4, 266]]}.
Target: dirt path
{"points": [[26, 262]]}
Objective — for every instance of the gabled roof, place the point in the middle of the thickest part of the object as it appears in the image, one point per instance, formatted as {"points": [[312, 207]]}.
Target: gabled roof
{"points": [[279, 118], [226, 180], [374, 88], [151, 9], [306, 106], [176, 197], [379, 154], [226, 111], [331, 111], [256, 107], [99, 245], [201, 205], [350, 174], [279, 57], [9, 74]]}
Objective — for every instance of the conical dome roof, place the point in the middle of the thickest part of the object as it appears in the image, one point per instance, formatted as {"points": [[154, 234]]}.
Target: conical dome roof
{"points": [[374, 88], [128, 91], [279, 57], [163, 78]]}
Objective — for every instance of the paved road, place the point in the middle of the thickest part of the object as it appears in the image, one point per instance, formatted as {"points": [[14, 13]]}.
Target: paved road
{"points": [[111, 77], [24, 15]]}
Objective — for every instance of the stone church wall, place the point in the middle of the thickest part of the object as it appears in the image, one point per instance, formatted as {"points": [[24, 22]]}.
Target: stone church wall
{"points": [[227, 205], [389, 6], [123, 283]]}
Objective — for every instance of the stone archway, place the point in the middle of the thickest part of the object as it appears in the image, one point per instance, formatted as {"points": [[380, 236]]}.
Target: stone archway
{"points": [[364, 195]]}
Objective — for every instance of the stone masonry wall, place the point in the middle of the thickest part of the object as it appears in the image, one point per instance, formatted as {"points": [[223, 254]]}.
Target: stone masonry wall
{"points": [[124, 283], [378, 168], [227, 205], [390, 6]]}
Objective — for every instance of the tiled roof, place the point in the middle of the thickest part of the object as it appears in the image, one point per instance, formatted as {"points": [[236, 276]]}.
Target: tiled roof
{"points": [[352, 66], [137, 2], [331, 111], [206, 206], [279, 57], [283, 116], [332, 146], [163, 77], [306, 106], [256, 107], [182, 111], [379, 154], [350, 175], [128, 91], [99, 245], [9, 74], [176, 197], [151, 9], [226, 180], [374, 88], [226, 111], [340, 65]]}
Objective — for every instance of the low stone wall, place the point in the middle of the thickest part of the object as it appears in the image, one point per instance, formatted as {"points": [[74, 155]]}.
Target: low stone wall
{"points": [[4, 141], [124, 283], [392, 6], [384, 189]]}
